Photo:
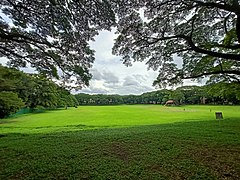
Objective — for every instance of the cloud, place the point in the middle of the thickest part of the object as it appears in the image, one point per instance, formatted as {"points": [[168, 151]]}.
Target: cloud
{"points": [[93, 91], [103, 45], [110, 77], [130, 81], [3, 61], [96, 75], [105, 75]]}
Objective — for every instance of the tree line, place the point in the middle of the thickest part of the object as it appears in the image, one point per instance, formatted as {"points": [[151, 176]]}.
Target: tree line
{"points": [[34, 91], [219, 93]]}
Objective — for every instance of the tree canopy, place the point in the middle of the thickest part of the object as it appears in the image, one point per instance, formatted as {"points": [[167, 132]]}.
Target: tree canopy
{"points": [[205, 34], [53, 35], [20, 90]]}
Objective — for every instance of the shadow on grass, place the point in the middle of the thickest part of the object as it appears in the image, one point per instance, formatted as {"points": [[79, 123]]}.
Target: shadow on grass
{"points": [[186, 150], [28, 111]]}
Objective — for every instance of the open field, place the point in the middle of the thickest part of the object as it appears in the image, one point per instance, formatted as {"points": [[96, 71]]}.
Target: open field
{"points": [[122, 142]]}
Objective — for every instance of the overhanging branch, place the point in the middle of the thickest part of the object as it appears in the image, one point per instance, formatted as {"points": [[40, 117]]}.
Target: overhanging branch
{"points": [[226, 7], [20, 37], [235, 57], [197, 49], [235, 72]]}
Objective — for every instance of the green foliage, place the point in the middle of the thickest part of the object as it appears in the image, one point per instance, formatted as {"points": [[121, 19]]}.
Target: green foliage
{"points": [[9, 103], [66, 99], [204, 35], [53, 35], [31, 90], [9, 78], [230, 37], [223, 93]]}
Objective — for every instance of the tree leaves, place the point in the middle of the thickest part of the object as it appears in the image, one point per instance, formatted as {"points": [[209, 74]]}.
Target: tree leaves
{"points": [[18, 90], [9, 103], [201, 33], [45, 33]]}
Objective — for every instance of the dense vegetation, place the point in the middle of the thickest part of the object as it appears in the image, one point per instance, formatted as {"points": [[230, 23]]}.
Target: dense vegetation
{"points": [[219, 93], [122, 142], [21, 90]]}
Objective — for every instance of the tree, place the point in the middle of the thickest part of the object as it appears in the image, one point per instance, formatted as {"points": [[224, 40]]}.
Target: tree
{"points": [[9, 103], [10, 78], [177, 96], [192, 94], [223, 93], [65, 99], [205, 34], [40, 91], [53, 35], [18, 89]]}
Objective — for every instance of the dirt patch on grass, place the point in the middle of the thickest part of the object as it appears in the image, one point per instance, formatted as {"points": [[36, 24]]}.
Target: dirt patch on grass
{"points": [[223, 162], [120, 151]]}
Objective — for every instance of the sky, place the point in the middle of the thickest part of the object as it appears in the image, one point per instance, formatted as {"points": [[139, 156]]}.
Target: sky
{"points": [[110, 75]]}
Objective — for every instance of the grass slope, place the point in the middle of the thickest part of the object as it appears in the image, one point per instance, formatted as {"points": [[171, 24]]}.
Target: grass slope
{"points": [[53, 145]]}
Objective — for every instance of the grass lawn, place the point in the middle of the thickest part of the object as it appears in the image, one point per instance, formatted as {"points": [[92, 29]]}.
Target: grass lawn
{"points": [[122, 142]]}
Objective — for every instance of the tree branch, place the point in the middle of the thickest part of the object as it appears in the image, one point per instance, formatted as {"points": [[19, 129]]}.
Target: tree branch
{"points": [[232, 47], [20, 37], [210, 53], [211, 73], [225, 7], [11, 52], [198, 49]]}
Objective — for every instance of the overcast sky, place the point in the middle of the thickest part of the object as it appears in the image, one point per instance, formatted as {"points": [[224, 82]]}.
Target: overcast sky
{"points": [[110, 75]]}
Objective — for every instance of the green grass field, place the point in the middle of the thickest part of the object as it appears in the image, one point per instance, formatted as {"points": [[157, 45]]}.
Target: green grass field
{"points": [[122, 142]]}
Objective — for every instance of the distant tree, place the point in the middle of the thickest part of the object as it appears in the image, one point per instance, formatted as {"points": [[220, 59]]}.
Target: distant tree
{"points": [[192, 94], [177, 96], [205, 34], [41, 92], [218, 93], [65, 98], [222, 93], [53, 35]]}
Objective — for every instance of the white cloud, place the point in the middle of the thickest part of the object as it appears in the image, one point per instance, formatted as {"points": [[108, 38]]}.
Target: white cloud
{"points": [[3, 61]]}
